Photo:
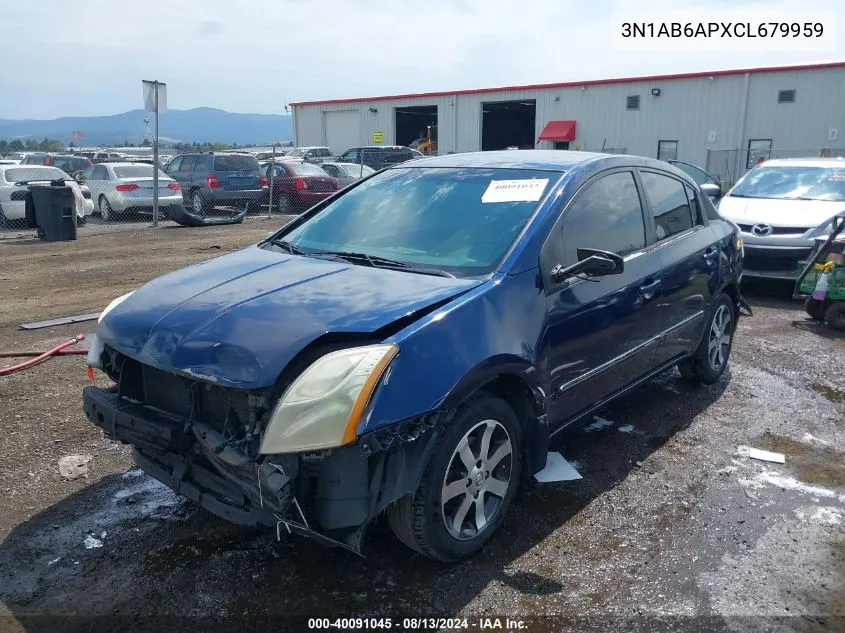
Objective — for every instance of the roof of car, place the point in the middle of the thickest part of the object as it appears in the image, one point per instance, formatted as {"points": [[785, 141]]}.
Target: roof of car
{"points": [[804, 162], [555, 160], [128, 163]]}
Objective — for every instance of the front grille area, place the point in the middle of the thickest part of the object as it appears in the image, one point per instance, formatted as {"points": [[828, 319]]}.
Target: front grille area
{"points": [[777, 230], [234, 413], [772, 259]]}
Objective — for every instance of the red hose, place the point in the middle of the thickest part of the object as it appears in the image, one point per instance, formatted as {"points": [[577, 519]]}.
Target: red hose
{"points": [[5, 371], [64, 352]]}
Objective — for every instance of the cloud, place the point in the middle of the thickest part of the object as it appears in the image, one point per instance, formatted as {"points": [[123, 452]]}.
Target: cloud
{"points": [[91, 60]]}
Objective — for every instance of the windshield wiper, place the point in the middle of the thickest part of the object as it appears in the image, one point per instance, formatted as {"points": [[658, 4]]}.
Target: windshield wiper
{"points": [[293, 250], [382, 262]]}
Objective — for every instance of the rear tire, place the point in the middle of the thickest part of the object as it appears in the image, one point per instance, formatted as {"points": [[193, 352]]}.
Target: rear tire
{"points": [[468, 485], [283, 205], [105, 209], [815, 308], [708, 362], [835, 316], [198, 205]]}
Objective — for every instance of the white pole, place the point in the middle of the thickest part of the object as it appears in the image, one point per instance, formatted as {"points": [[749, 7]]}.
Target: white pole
{"points": [[155, 159]]}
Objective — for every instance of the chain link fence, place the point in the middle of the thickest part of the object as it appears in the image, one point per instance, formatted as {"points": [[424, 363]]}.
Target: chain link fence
{"points": [[729, 165], [196, 186]]}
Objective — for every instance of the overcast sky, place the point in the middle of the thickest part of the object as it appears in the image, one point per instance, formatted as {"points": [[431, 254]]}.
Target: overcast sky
{"points": [[87, 57]]}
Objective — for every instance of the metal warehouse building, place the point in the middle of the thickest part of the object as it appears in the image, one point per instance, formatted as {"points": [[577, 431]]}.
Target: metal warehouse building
{"points": [[686, 116]]}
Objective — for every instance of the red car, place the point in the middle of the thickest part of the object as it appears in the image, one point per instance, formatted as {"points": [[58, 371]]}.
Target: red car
{"points": [[298, 186]]}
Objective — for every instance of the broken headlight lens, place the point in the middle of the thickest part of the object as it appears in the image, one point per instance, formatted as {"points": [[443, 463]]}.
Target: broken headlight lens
{"points": [[323, 406], [96, 349]]}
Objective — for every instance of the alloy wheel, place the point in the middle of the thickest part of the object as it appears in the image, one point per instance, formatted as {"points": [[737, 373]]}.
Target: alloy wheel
{"points": [[719, 341], [477, 480]]}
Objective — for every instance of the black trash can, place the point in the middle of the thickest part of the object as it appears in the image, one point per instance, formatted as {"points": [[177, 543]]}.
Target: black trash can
{"points": [[53, 209]]}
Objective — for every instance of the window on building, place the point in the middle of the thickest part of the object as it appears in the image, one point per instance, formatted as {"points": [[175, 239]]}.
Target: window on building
{"points": [[669, 205], [759, 149], [561, 144], [667, 150], [633, 102], [606, 216], [786, 96]]}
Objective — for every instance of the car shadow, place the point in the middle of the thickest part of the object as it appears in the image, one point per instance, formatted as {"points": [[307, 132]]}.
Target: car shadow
{"points": [[177, 559]]}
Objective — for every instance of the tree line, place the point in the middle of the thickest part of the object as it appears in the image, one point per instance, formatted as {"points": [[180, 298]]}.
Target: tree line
{"points": [[31, 145], [52, 145]]}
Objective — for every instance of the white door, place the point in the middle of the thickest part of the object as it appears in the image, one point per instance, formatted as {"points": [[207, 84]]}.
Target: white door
{"points": [[343, 130]]}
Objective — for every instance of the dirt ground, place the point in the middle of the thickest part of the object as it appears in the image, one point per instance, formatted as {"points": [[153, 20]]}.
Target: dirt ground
{"points": [[672, 527]]}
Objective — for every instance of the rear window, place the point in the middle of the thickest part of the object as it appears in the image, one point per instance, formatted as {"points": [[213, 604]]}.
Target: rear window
{"points": [[136, 171], [236, 163], [70, 164], [306, 169], [321, 151], [28, 174]]}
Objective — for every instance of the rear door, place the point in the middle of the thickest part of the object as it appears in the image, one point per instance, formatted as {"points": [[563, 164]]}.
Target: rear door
{"points": [[689, 256], [601, 332]]}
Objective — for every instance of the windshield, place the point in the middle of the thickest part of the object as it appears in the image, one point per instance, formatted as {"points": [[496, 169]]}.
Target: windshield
{"points": [[138, 171], [299, 151], [459, 220], [357, 170], [793, 183], [30, 174]]}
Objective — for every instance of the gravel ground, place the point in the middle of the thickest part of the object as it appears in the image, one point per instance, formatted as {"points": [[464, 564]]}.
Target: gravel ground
{"points": [[672, 527]]}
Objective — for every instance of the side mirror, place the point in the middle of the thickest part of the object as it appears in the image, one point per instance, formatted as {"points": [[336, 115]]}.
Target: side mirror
{"points": [[592, 263], [711, 190]]}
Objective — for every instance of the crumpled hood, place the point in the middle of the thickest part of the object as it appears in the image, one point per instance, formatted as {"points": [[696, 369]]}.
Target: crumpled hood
{"points": [[799, 213], [240, 318]]}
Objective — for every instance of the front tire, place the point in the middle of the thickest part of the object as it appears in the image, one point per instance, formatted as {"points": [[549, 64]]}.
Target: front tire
{"points": [[708, 362], [835, 316], [815, 308], [468, 484]]}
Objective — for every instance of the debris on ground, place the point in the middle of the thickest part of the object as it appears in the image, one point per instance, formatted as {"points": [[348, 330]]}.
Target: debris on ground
{"points": [[557, 469], [766, 456], [627, 428], [598, 424], [92, 542], [74, 466], [68, 320]]}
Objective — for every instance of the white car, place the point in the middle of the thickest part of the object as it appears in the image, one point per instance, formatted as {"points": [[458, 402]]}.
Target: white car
{"points": [[14, 180], [128, 188], [781, 206]]}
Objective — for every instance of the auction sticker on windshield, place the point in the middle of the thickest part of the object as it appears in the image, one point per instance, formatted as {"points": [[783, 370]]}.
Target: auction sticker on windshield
{"points": [[526, 190]]}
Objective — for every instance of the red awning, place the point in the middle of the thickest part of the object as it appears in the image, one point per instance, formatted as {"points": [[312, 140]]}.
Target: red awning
{"points": [[558, 131]]}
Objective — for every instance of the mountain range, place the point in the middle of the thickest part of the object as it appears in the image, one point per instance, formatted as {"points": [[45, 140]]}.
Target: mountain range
{"points": [[187, 126]]}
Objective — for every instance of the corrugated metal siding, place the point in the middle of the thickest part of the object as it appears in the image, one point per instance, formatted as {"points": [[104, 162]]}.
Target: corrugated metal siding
{"points": [[687, 110]]}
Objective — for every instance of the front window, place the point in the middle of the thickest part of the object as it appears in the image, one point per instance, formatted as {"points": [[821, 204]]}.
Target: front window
{"points": [[793, 183], [458, 220]]}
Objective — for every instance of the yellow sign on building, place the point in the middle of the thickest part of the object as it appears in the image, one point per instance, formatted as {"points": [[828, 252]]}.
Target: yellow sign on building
{"points": [[378, 137]]}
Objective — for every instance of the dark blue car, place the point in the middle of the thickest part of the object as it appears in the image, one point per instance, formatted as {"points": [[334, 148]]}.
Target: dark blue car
{"points": [[410, 344]]}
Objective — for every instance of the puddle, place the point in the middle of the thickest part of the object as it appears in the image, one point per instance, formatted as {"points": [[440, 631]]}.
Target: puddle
{"points": [[837, 396], [813, 464]]}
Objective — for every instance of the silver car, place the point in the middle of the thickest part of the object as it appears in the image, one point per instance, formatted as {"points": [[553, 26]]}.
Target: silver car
{"points": [[347, 173], [121, 188]]}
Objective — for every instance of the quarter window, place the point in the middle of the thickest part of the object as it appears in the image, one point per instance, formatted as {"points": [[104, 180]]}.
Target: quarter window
{"points": [[606, 216], [669, 204]]}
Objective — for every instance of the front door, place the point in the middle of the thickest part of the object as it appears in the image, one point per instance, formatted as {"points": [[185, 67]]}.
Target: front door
{"points": [[601, 332], [689, 259]]}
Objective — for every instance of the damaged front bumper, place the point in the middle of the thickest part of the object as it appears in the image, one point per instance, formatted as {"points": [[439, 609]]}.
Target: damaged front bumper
{"points": [[329, 496]]}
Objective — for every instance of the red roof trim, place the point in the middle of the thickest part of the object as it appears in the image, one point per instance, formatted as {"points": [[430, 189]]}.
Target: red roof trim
{"points": [[558, 131], [570, 84]]}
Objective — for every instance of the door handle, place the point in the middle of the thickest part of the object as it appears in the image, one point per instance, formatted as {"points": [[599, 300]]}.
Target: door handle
{"points": [[647, 291], [710, 255]]}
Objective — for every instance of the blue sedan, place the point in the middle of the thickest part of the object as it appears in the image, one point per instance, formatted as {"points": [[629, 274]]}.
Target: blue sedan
{"points": [[410, 345]]}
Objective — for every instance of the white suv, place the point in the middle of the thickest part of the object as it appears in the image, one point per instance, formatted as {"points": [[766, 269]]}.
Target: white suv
{"points": [[781, 206]]}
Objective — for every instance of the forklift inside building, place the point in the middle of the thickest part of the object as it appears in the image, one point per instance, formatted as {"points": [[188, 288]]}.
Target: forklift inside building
{"points": [[413, 124], [508, 124]]}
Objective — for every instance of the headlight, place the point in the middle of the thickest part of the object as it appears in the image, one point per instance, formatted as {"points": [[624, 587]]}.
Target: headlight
{"points": [[96, 349], [323, 406]]}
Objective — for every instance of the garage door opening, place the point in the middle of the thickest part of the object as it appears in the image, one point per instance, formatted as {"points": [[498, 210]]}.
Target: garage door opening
{"points": [[413, 124], [508, 124]]}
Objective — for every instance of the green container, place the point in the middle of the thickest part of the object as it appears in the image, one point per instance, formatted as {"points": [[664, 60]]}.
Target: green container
{"points": [[836, 285]]}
